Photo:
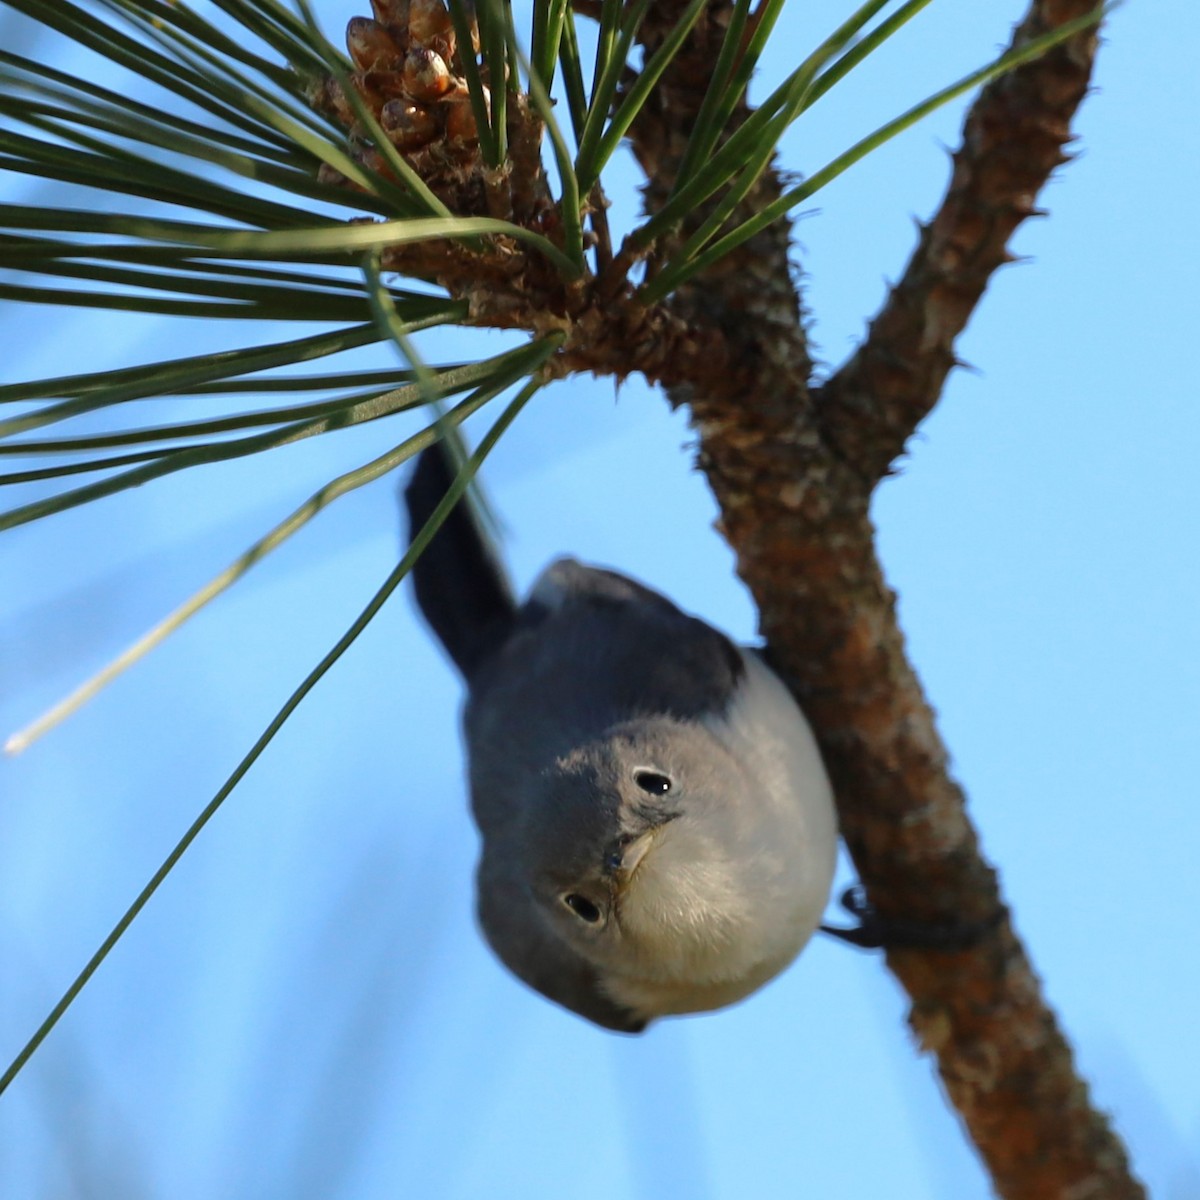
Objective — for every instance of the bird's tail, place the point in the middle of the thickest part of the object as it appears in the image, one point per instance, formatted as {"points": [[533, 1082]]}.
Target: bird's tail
{"points": [[461, 588]]}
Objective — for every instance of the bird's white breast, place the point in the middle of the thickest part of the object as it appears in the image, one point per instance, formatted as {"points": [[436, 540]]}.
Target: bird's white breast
{"points": [[753, 875], [765, 729]]}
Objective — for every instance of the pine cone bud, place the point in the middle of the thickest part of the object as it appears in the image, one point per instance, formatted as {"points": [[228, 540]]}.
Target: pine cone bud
{"points": [[461, 125], [371, 46], [408, 126], [430, 26], [393, 14], [426, 76]]}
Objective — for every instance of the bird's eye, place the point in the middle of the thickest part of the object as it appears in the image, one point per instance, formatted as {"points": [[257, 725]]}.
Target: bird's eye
{"points": [[652, 782], [582, 907]]}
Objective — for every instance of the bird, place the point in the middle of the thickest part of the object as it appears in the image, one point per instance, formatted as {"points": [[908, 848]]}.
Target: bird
{"points": [[658, 830]]}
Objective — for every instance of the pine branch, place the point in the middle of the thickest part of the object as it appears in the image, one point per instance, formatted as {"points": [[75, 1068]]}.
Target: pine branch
{"points": [[794, 503], [1012, 141]]}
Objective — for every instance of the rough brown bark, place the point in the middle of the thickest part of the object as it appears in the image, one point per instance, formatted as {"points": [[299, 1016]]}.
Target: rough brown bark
{"points": [[793, 469]]}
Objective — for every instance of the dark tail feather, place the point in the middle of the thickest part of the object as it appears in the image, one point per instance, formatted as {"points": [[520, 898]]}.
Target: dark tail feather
{"points": [[461, 589]]}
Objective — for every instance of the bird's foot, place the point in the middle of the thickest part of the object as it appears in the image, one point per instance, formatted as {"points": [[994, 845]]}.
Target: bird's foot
{"points": [[874, 932]]}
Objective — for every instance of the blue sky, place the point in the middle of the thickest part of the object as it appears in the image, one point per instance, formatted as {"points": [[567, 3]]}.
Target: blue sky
{"points": [[306, 1009]]}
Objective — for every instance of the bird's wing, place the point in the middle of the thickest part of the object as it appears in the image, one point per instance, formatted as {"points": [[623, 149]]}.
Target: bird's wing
{"points": [[592, 644]]}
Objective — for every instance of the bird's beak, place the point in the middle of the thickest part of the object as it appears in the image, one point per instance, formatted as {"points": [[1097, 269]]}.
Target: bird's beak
{"points": [[635, 852]]}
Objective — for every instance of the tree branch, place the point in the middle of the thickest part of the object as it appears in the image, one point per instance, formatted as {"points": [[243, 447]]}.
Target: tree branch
{"points": [[1012, 140], [793, 480]]}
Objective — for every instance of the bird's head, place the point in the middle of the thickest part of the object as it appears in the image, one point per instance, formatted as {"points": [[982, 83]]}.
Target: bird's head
{"points": [[651, 853]]}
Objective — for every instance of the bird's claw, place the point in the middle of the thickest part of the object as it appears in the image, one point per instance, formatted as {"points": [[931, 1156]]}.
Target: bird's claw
{"points": [[874, 932]]}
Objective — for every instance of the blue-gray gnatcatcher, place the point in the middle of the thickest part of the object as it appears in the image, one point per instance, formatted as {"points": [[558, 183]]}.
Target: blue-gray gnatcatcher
{"points": [[658, 828]]}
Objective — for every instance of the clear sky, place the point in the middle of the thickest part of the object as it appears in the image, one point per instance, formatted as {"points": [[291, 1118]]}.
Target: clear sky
{"points": [[306, 1009]]}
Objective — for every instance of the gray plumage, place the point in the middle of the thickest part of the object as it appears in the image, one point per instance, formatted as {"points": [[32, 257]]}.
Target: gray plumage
{"points": [[657, 828]]}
